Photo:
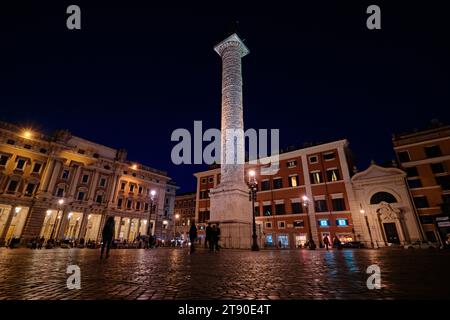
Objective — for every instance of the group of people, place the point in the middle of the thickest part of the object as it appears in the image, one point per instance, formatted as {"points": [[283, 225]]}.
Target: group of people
{"points": [[212, 237], [336, 242]]}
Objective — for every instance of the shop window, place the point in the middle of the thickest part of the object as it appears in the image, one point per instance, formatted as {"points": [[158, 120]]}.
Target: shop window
{"points": [[324, 223], [342, 222]]}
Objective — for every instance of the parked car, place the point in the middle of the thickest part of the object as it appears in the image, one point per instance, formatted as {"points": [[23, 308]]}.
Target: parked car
{"points": [[421, 245]]}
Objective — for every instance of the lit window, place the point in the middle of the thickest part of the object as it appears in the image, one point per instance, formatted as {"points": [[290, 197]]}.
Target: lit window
{"points": [[323, 223], [333, 175], [293, 181], [291, 164], [342, 222], [316, 177]]}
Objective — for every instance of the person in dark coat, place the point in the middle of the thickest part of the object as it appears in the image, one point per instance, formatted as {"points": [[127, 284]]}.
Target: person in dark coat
{"points": [[326, 241], [216, 237], [208, 236], [107, 236], [193, 236]]}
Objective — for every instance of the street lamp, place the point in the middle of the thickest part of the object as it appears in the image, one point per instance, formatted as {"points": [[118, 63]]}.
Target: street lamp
{"points": [[152, 198], [253, 184], [362, 211], [177, 216], [305, 203]]}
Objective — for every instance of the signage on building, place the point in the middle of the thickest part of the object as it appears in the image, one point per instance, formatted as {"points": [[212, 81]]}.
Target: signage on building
{"points": [[442, 219], [444, 224]]}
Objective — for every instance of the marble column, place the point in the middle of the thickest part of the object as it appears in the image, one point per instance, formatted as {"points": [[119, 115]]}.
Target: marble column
{"points": [[229, 200]]}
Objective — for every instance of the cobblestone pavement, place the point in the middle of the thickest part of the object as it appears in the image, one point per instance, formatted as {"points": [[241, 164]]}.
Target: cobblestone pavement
{"points": [[231, 274]]}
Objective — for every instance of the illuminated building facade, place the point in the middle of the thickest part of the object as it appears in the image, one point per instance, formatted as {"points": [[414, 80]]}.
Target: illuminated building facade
{"points": [[310, 196], [425, 157], [63, 187]]}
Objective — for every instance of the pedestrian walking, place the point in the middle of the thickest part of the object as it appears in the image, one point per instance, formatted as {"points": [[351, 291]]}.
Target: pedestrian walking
{"points": [[193, 236], [326, 241], [107, 236], [208, 236]]}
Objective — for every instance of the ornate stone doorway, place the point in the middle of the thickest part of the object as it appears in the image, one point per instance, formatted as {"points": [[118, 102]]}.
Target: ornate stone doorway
{"points": [[390, 231]]}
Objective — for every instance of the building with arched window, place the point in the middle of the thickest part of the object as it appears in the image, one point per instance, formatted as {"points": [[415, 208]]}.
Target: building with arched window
{"points": [[385, 207]]}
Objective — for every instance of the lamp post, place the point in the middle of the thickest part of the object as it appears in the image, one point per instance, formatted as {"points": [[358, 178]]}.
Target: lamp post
{"points": [[152, 198], [253, 184], [305, 203], [362, 211], [177, 216]]}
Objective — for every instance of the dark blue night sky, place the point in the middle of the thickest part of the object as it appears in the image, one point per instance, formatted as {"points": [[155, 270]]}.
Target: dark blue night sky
{"points": [[137, 71]]}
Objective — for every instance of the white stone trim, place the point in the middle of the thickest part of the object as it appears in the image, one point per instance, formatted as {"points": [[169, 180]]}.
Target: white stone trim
{"points": [[337, 196]]}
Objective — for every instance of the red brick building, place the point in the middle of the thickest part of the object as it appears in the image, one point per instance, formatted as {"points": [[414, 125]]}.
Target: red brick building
{"points": [[310, 196], [425, 156], [184, 214]]}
